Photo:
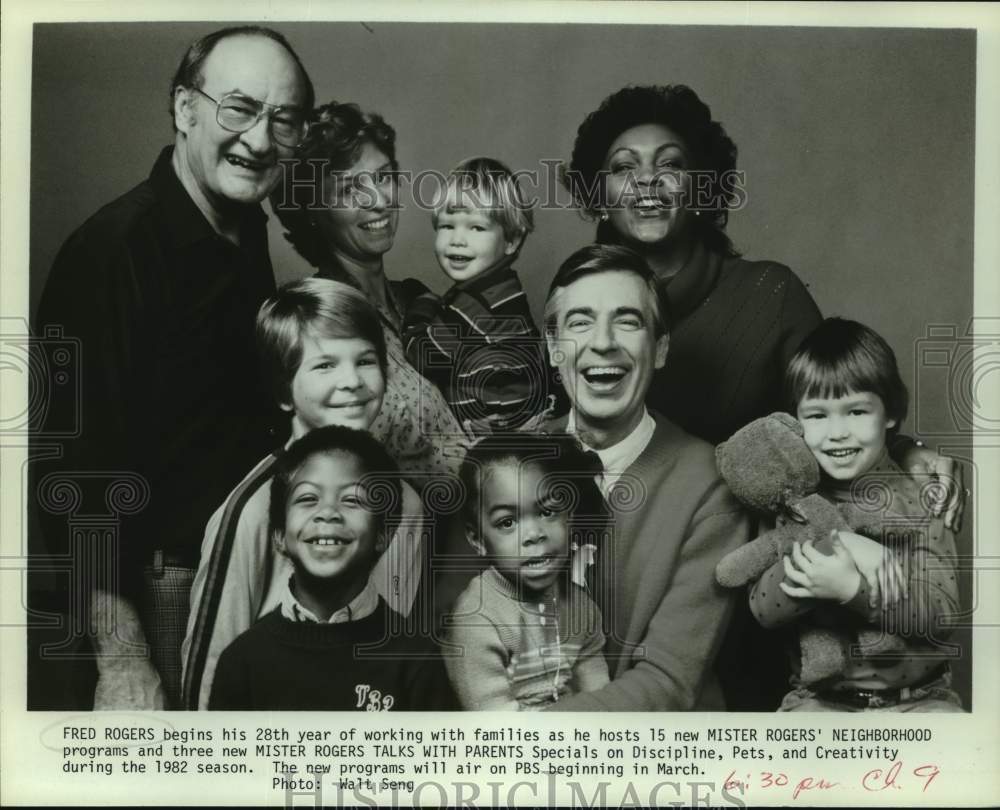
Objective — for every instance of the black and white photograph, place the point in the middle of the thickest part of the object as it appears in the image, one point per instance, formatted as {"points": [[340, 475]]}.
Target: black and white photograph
{"points": [[628, 360]]}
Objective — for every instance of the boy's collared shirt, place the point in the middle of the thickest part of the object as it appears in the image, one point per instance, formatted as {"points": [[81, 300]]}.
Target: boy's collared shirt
{"points": [[620, 456], [360, 607]]}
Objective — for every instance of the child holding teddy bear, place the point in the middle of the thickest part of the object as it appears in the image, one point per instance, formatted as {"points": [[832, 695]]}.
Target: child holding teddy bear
{"points": [[845, 390]]}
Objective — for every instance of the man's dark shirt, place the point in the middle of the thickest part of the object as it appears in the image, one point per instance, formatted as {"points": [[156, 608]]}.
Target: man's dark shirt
{"points": [[164, 309]]}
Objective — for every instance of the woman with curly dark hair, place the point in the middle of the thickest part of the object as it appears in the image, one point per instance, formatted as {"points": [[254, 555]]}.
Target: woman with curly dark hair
{"points": [[338, 203], [660, 175]]}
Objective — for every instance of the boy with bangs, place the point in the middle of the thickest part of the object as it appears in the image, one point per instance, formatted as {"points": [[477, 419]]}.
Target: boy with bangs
{"points": [[478, 343], [845, 390], [324, 352], [328, 645]]}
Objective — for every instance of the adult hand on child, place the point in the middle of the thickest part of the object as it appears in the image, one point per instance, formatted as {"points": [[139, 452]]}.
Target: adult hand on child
{"points": [[920, 461], [879, 566], [821, 576]]}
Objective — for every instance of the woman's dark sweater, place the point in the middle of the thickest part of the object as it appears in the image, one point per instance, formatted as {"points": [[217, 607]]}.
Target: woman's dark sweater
{"points": [[736, 324]]}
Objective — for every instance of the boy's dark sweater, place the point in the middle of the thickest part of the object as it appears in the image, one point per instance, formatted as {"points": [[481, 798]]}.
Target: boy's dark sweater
{"points": [[348, 666]]}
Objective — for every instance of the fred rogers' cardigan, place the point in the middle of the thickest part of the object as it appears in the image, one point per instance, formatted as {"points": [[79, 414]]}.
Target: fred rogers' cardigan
{"points": [[654, 582]]}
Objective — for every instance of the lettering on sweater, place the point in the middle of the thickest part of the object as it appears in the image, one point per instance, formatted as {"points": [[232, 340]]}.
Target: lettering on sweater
{"points": [[372, 700]]}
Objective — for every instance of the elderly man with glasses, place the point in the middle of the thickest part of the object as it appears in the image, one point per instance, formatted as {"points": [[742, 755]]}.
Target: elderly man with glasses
{"points": [[161, 288]]}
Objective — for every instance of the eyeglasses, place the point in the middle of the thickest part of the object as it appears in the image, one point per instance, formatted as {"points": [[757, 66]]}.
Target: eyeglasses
{"points": [[238, 113]]}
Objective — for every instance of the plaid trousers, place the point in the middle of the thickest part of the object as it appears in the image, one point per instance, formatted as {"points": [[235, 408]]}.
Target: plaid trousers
{"points": [[165, 605]]}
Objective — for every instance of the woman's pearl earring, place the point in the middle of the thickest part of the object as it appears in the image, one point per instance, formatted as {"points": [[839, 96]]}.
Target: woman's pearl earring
{"points": [[604, 216]]}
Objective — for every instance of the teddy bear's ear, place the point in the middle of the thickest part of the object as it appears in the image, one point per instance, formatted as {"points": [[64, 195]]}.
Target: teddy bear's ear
{"points": [[788, 421]]}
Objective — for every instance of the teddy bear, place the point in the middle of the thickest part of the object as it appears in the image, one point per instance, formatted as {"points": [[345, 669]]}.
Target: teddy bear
{"points": [[770, 469]]}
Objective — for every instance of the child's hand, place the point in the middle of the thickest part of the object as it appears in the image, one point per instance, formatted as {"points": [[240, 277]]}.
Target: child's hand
{"points": [[821, 576], [878, 565]]}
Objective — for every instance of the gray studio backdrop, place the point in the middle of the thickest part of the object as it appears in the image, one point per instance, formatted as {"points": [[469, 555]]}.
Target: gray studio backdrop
{"points": [[858, 144]]}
